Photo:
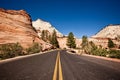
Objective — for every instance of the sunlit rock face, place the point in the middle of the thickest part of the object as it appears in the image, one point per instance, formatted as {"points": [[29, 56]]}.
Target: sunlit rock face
{"points": [[62, 42], [41, 25], [100, 39], [110, 31], [16, 26]]}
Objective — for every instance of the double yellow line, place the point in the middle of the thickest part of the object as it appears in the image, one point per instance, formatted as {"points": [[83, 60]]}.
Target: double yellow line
{"points": [[58, 69]]}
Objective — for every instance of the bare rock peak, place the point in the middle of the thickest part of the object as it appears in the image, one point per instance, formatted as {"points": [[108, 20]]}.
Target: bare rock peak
{"points": [[110, 31], [40, 25]]}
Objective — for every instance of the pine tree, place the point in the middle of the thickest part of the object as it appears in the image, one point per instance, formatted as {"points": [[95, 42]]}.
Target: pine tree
{"points": [[84, 42], [110, 43], [44, 35], [54, 41], [71, 40]]}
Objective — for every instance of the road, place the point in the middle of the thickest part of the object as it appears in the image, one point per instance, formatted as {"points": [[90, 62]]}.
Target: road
{"points": [[73, 67], [87, 68]]}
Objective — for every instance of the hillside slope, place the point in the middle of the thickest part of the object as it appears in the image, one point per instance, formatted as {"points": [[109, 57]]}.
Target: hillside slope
{"points": [[110, 31]]}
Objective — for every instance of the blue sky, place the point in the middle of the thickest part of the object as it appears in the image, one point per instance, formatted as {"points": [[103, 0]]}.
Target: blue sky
{"points": [[82, 17]]}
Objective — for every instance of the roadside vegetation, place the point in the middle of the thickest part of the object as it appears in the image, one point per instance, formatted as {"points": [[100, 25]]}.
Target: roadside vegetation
{"points": [[92, 49], [35, 48], [11, 50]]}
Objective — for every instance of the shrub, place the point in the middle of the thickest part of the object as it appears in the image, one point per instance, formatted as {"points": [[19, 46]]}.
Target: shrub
{"points": [[91, 48], [94, 50], [10, 50], [99, 52], [104, 52], [114, 54], [35, 48]]}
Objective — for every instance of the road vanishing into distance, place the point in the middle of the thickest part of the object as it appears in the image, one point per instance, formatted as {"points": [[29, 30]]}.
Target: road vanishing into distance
{"points": [[59, 65]]}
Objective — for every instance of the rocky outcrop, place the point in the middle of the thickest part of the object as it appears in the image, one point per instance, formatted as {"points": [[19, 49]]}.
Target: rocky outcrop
{"points": [[100, 39], [110, 31], [16, 26], [41, 25], [63, 41]]}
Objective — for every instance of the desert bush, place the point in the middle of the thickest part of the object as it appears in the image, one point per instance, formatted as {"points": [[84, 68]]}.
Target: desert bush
{"points": [[95, 50], [99, 52], [103, 52], [114, 54], [35, 48], [10, 50]]}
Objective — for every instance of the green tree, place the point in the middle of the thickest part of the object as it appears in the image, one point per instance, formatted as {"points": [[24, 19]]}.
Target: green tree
{"points": [[85, 44], [54, 41], [110, 43], [71, 40], [43, 35]]}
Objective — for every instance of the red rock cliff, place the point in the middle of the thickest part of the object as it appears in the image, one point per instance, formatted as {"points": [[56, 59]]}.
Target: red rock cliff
{"points": [[16, 26]]}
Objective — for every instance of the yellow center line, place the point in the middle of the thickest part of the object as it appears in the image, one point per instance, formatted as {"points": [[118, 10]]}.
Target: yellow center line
{"points": [[58, 68], [55, 69]]}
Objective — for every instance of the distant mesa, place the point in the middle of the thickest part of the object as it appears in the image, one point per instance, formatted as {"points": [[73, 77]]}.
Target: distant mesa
{"points": [[41, 25]]}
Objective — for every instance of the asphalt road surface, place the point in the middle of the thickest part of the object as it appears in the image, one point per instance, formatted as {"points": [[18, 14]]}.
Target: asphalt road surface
{"points": [[74, 67]]}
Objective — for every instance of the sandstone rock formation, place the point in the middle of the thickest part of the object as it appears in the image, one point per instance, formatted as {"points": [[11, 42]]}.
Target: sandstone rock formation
{"points": [[41, 25], [63, 41], [110, 31], [101, 38], [16, 26]]}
